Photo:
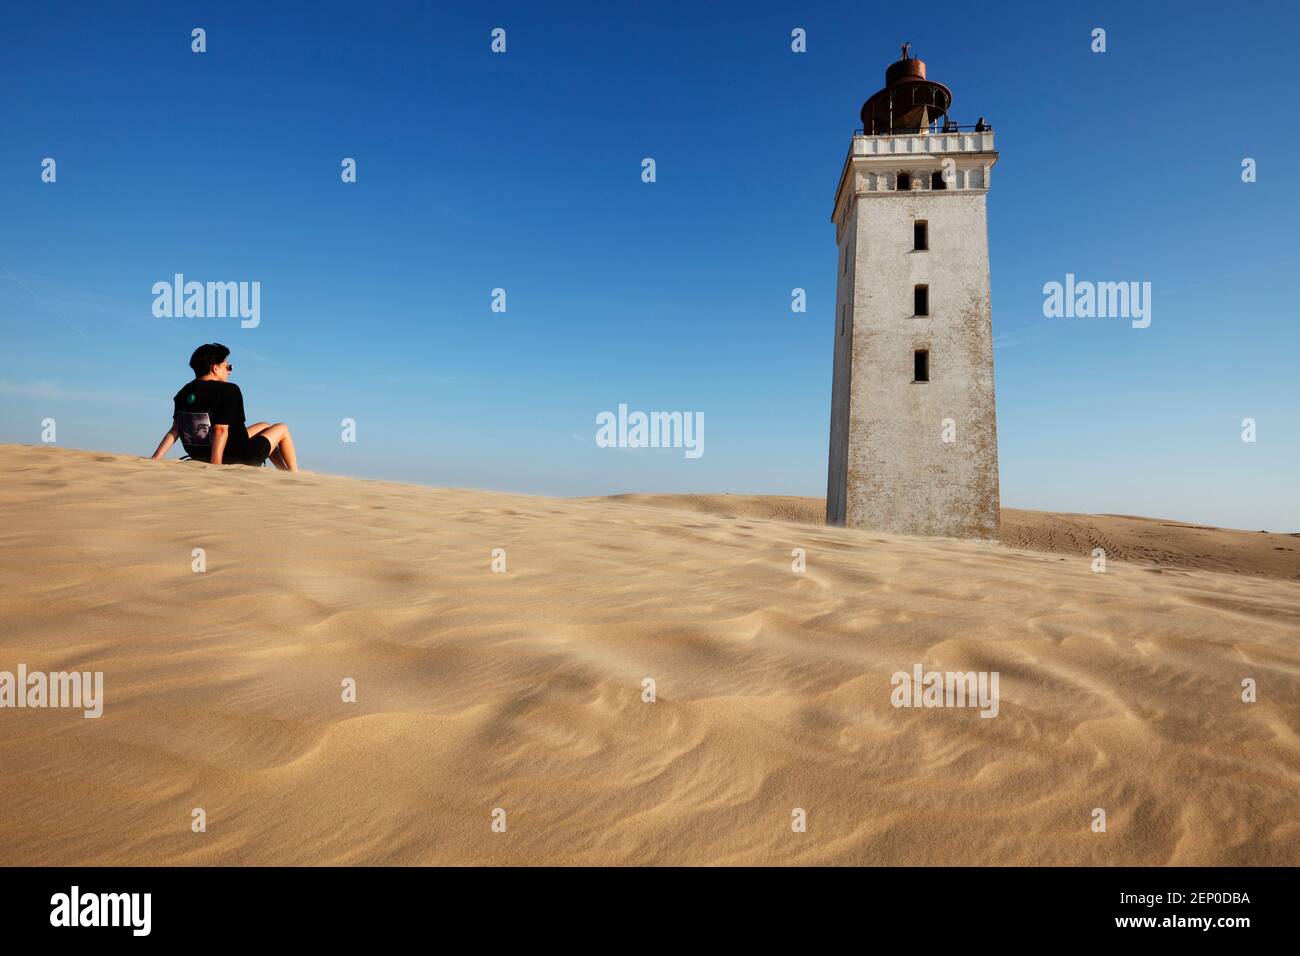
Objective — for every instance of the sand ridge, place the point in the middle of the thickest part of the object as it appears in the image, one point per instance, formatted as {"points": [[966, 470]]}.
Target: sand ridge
{"points": [[523, 690], [1156, 541]]}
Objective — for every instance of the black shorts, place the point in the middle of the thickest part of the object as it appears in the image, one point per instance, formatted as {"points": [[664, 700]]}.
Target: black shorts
{"points": [[254, 452]]}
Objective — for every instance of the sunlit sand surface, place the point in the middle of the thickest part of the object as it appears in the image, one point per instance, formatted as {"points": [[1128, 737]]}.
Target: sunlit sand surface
{"points": [[523, 690]]}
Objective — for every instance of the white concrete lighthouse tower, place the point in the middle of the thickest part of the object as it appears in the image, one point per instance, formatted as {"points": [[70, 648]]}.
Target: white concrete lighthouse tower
{"points": [[913, 445]]}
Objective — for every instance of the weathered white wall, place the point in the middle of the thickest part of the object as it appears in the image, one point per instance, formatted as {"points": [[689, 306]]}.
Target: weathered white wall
{"points": [[889, 468]]}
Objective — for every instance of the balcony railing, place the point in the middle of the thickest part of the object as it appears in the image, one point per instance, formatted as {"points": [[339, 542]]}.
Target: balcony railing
{"points": [[928, 131], [964, 140]]}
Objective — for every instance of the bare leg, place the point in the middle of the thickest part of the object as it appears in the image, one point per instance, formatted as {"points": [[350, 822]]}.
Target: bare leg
{"points": [[277, 458], [282, 442]]}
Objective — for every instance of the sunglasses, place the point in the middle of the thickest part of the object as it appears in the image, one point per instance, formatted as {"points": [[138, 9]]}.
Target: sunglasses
{"points": [[229, 367]]}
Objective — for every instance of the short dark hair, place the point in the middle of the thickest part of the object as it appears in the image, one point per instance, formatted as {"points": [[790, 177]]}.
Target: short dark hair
{"points": [[206, 356]]}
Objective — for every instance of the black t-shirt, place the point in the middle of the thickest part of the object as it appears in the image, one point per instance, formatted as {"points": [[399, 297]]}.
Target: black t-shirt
{"points": [[204, 403]]}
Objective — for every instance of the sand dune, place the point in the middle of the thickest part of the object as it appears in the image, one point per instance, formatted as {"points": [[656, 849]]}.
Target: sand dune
{"points": [[1155, 541], [523, 690]]}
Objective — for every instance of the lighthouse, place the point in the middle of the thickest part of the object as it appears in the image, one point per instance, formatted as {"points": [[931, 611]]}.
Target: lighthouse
{"points": [[913, 438]]}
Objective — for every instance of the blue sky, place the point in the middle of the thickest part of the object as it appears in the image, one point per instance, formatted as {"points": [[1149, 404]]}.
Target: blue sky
{"points": [[522, 171]]}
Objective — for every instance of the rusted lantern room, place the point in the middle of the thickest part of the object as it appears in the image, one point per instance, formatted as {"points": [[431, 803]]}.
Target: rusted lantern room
{"points": [[908, 103]]}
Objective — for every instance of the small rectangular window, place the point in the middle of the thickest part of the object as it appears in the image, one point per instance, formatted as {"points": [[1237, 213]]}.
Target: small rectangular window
{"points": [[921, 235], [921, 300], [843, 311], [904, 181], [921, 365], [844, 258]]}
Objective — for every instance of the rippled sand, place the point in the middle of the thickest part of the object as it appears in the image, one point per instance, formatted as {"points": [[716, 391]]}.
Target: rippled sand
{"points": [[523, 690]]}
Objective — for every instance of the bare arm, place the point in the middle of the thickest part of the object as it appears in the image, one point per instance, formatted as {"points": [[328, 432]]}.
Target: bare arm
{"points": [[219, 435], [167, 441]]}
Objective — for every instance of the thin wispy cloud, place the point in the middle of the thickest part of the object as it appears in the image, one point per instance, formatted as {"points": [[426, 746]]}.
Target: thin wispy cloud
{"points": [[45, 303], [57, 392], [1023, 336], [74, 306], [435, 380]]}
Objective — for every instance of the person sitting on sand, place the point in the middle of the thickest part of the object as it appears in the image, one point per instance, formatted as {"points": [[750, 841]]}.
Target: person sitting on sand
{"points": [[208, 418]]}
